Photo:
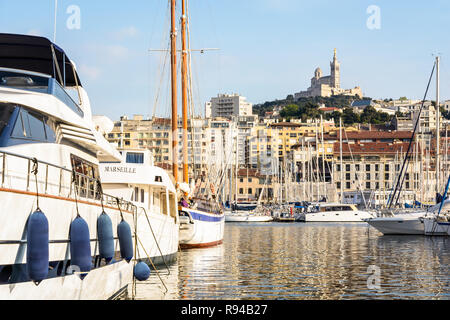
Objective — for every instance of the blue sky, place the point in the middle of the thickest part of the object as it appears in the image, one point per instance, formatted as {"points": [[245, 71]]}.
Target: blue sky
{"points": [[268, 48]]}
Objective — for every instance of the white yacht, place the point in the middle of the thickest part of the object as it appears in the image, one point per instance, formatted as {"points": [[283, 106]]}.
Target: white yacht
{"points": [[247, 212], [51, 202], [325, 212], [152, 191]]}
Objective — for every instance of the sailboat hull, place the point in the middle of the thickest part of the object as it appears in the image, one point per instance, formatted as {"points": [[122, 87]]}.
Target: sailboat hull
{"points": [[436, 228], [412, 225], [201, 230]]}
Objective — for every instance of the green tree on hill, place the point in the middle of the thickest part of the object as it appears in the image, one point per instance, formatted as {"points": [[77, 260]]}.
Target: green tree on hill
{"points": [[349, 117]]}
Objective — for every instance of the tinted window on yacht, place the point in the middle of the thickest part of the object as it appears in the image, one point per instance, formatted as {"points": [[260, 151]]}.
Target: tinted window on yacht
{"points": [[23, 81], [133, 157], [21, 128], [6, 112], [33, 126], [37, 126]]}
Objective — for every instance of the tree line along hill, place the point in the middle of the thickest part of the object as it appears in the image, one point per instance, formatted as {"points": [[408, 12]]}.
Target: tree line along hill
{"points": [[308, 108]]}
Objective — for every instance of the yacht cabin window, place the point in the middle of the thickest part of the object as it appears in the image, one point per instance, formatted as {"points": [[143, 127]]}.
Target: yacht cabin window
{"points": [[86, 180], [134, 157], [33, 126]]}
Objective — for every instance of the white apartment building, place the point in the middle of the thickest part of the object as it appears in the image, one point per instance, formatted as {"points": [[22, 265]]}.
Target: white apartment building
{"points": [[228, 106]]}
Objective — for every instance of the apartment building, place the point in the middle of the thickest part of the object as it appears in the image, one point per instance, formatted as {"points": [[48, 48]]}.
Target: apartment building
{"points": [[228, 106]]}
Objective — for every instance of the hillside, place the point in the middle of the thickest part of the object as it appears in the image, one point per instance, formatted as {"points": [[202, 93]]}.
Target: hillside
{"points": [[333, 101]]}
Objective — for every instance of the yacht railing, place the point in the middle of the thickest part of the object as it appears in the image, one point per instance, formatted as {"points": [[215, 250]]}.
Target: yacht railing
{"points": [[53, 180]]}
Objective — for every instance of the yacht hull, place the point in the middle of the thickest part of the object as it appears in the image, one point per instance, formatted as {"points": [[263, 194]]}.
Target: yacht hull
{"points": [[343, 216], [232, 217], [102, 282]]}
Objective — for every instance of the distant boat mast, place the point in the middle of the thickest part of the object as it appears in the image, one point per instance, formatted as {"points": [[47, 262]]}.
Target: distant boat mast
{"points": [[438, 132]]}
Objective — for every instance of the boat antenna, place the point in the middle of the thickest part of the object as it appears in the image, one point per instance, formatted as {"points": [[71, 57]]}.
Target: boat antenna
{"points": [[54, 26]]}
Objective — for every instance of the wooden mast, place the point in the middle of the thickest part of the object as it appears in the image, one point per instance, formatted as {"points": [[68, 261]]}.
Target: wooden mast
{"points": [[173, 52], [185, 93]]}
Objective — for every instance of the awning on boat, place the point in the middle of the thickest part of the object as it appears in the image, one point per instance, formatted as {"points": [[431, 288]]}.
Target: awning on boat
{"points": [[34, 54]]}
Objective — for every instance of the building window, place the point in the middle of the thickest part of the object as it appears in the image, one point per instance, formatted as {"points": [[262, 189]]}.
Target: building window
{"points": [[367, 185], [241, 191], [367, 167], [250, 191]]}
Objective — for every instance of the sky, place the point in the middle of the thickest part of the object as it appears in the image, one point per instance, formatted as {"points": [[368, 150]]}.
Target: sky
{"points": [[268, 49]]}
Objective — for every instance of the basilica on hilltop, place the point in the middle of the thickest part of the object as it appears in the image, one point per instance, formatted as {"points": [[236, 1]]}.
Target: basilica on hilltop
{"points": [[327, 86]]}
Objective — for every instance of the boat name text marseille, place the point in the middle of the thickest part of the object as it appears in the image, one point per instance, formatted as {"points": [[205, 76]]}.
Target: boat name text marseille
{"points": [[120, 169]]}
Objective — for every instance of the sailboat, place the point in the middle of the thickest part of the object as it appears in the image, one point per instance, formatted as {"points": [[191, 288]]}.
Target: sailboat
{"points": [[246, 212], [437, 222], [411, 223], [202, 220]]}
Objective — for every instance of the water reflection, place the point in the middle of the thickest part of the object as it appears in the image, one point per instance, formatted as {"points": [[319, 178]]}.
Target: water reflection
{"points": [[309, 261]]}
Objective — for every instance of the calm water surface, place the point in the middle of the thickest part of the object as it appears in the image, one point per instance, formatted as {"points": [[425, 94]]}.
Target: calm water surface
{"points": [[300, 261]]}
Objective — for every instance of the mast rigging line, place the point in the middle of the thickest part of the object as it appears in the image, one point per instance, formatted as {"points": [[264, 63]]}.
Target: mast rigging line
{"points": [[406, 160]]}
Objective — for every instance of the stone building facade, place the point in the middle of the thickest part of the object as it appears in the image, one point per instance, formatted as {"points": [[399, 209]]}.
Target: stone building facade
{"points": [[327, 86]]}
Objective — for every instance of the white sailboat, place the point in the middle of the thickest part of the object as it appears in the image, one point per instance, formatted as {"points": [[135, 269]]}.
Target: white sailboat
{"points": [[418, 221], [51, 201], [203, 221]]}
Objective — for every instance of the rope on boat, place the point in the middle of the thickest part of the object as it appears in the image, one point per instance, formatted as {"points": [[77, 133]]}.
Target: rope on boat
{"points": [[156, 241], [35, 171], [150, 259]]}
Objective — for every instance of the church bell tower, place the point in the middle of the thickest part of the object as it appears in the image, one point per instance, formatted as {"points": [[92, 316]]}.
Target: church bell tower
{"points": [[335, 72]]}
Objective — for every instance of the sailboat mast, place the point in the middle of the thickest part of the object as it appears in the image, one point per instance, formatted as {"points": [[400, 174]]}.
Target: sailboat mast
{"points": [[438, 133], [342, 161], [185, 93], [173, 64]]}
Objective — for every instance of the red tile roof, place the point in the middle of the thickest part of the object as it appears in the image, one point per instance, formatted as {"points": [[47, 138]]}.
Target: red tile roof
{"points": [[372, 148], [362, 135]]}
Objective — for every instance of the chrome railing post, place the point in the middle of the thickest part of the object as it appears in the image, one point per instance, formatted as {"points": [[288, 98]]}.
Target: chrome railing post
{"points": [[46, 178], [3, 169], [28, 175]]}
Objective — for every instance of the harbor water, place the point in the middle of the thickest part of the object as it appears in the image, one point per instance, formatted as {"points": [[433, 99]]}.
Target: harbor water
{"points": [[304, 261]]}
